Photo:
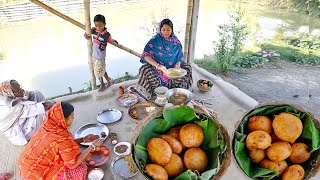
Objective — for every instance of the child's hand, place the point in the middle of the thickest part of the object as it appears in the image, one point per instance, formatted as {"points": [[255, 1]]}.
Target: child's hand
{"points": [[87, 36], [115, 41]]}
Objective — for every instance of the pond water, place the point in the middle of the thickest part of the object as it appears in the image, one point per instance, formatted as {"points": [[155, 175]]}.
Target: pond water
{"points": [[50, 54]]}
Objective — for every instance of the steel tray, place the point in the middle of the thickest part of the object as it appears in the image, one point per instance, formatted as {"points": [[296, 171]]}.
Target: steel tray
{"points": [[109, 116], [95, 128]]}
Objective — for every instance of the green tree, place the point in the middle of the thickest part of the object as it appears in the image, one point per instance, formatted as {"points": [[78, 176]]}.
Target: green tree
{"points": [[311, 7], [231, 39]]}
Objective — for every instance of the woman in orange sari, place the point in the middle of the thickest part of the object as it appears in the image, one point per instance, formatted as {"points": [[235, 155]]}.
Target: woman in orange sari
{"points": [[52, 153]]}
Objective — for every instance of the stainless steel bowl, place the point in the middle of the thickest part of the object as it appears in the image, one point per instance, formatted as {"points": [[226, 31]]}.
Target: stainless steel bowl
{"points": [[182, 91]]}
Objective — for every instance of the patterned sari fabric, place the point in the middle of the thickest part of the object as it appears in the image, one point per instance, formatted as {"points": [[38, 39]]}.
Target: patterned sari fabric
{"points": [[149, 80], [52, 151]]}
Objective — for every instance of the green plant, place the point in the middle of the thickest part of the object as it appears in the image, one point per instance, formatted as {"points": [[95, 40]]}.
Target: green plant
{"points": [[208, 64], [251, 61], [305, 41], [232, 37], [307, 59]]}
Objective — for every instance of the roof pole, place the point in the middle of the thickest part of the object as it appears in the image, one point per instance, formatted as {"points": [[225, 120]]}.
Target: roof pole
{"points": [[191, 29], [89, 42]]}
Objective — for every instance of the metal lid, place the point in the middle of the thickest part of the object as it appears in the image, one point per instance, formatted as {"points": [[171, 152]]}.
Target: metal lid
{"points": [[109, 116]]}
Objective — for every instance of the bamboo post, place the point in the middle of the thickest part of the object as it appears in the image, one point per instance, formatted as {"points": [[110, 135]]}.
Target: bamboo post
{"points": [[89, 42], [44, 6], [193, 31], [188, 30]]}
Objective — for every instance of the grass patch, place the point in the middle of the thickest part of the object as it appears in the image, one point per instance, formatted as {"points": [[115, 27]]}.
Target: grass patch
{"points": [[213, 66], [294, 54]]}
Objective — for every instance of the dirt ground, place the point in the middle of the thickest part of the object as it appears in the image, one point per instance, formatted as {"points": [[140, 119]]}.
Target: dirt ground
{"points": [[281, 81]]}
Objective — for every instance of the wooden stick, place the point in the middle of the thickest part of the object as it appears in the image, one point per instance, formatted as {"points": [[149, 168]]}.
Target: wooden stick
{"points": [[89, 42], [44, 6], [188, 29]]}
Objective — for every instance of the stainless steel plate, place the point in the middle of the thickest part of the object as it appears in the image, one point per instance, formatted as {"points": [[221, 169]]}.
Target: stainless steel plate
{"points": [[120, 167], [178, 73], [95, 128], [109, 116], [127, 100]]}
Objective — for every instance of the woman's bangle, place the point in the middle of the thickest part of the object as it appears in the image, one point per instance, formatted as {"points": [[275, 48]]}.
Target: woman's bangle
{"points": [[157, 65]]}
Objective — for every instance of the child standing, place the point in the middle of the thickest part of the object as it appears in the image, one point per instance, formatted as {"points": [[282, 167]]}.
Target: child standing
{"points": [[100, 39]]}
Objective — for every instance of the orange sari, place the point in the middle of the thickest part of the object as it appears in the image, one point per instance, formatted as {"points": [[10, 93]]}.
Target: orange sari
{"points": [[51, 151]]}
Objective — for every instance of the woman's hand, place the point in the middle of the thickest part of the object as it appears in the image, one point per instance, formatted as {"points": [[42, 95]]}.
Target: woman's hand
{"points": [[97, 142], [90, 138], [87, 36], [177, 65], [163, 69]]}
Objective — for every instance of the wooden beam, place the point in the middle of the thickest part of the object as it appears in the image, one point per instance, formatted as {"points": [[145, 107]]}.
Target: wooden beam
{"points": [[89, 42], [188, 30], [44, 6], [193, 33]]}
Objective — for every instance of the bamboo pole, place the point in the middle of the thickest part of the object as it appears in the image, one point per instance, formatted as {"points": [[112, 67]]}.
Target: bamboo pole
{"points": [[188, 30], [89, 42], [67, 18], [44, 6]]}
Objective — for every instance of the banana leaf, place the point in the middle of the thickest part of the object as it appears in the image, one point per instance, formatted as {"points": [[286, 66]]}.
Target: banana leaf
{"points": [[213, 143], [310, 136]]}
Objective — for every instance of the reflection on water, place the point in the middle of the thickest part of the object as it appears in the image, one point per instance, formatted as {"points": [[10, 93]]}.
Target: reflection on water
{"points": [[55, 81], [50, 54]]}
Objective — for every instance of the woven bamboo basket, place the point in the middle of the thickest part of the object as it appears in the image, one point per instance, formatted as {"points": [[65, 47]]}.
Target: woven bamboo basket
{"points": [[200, 109], [315, 164]]}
